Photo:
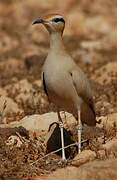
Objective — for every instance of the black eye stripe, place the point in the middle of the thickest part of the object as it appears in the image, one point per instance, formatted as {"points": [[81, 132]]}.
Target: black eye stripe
{"points": [[58, 20]]}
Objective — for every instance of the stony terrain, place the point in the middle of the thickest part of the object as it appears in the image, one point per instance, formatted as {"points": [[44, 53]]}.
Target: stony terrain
{"points": [[25, 113]]}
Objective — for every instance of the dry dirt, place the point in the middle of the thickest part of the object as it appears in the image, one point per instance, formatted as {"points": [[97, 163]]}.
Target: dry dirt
{"points": [[91, 39]]}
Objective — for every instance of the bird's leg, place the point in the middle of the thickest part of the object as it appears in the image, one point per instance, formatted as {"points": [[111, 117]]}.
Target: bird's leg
{"points": [[62, 135], [79, 129]]}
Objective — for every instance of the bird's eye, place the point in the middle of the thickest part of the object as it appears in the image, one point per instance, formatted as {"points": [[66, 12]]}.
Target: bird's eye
{"points": [[56, 20]]}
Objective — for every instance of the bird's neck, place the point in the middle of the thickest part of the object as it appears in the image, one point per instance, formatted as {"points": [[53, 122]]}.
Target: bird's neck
{"points": [[56, 42]]}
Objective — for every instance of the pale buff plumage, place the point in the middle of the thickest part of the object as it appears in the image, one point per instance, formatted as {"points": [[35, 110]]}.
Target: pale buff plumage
{"points": [[64, 82]]}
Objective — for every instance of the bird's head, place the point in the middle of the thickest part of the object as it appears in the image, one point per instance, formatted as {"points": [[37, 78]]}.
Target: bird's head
{"points": [[53, 23]]}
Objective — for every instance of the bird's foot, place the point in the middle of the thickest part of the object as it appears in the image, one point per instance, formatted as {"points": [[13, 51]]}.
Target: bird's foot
{"points": [[64, 159]]}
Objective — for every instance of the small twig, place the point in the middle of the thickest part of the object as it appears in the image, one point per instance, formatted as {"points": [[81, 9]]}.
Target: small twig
{"points": [[57, 151], [22, 138], [2, 112]]}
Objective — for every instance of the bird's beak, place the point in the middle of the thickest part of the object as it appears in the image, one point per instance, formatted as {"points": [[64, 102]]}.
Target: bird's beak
{"points": [[38, 21]]}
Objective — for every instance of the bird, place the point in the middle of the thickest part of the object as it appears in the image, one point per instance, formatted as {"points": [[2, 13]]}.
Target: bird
{"points": [[65, 84]]}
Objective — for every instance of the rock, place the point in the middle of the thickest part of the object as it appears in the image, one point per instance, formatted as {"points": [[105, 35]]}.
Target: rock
{"points": [[25, 93], [91, 26], [7, 105], [68, 119], [3, 92], [108, 150], [12, 64], [111, 39], [111, 147], [104, 74], [42, 101], [38, 83], [40, 122], [22, 97], [109, 121], [23, 86], [7, 43], [83, 157], [98, 24], [14, 140], [29, 97], [76, 22], [36, 122], [103, 170], [101, 154], [91, 45]]}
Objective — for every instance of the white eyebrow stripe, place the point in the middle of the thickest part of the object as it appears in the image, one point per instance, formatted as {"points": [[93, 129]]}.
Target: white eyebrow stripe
{"points": [[58, 16]]}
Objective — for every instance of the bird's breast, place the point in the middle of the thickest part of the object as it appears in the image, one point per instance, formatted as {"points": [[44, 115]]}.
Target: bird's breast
{"points": [[59, 86]]}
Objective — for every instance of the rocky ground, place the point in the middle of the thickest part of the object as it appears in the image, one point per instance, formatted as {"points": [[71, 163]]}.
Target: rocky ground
{"points": [[25, 113]]}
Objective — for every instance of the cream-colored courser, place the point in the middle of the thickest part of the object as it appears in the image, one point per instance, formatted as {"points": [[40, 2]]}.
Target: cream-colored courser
{"points": [[64, 82]]}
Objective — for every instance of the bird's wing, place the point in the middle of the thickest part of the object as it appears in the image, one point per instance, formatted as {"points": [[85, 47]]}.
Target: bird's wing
{"points": [[82, 87], [44, 83]]}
